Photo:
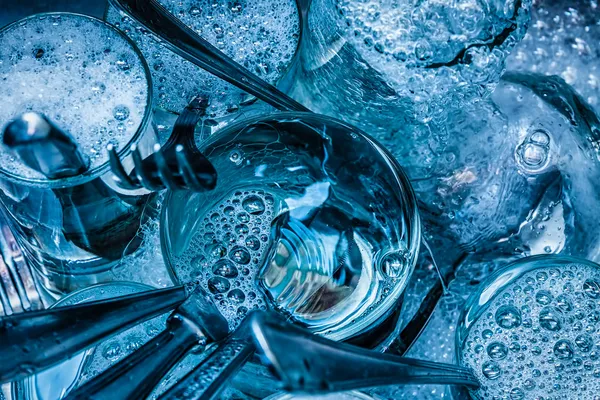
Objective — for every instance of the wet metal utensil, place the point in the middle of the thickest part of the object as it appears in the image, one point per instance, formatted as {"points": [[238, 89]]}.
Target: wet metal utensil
{"points": [[176, 165], [189, 45], [31, 342], [312, 364], [195, 322]]}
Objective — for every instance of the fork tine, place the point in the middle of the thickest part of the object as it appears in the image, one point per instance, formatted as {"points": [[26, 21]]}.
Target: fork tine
{"points": [[119, 175], [141, 172], [12, 296], [164, 173], [185, 169]]}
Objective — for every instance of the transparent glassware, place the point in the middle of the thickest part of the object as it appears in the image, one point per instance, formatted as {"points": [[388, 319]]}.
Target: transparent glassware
{"points": [[56, 382], [528, 332], [386, 66], [262, 36], [73, 230], [309, 216]]}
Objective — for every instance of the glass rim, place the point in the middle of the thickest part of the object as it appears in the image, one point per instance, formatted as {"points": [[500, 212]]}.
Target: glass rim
{"points": [[495, 283], [406, 194], [176, 50], [69, 296], [123, 152]]}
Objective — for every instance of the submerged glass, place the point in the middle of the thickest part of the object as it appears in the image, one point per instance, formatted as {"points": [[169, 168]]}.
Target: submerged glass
{"points": [[73, 230], [529, 331], [309, 216], [57, 382]]}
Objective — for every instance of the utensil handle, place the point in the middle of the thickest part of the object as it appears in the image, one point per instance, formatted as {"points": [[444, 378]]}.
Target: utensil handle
{"points": [[191, 46], [33, 341], [313, 364], [137, 375], [207, 379]]}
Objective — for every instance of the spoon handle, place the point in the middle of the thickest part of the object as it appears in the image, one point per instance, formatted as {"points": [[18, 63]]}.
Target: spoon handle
{"points": [[191, 46], [311, 364], [33, 341]]}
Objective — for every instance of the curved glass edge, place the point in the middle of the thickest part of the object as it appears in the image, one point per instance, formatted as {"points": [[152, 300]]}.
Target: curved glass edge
{"points": [[122, 153], [26, 389], [478, 301], [406, 194]]}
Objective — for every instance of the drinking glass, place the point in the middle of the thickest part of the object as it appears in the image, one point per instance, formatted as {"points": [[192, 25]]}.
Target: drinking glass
{"points": [[309, 216], [90, 80]]}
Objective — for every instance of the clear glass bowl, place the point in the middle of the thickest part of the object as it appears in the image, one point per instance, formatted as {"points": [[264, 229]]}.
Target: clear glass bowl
{"points": [[529, 331], [310, 216]]}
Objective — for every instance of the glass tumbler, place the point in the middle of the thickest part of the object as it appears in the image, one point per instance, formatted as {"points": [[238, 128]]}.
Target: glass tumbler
{"points": [[310, 217], [93, 83]]}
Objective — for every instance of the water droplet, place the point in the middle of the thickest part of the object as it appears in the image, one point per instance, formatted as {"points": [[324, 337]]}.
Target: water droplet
{"points": [[243, 217], [563, 350], [491, 370], [236, 296], [242, 229], [218, 284], [240, 255], [121, 112], [254, 205], [564, 303], [517, 394], [216, 250], [497, 351], [584, 343], [543, 297], [111, 351], [252, 243], [591, 288], [225, 268], [508, 317], [394, 264], [551, 319]]}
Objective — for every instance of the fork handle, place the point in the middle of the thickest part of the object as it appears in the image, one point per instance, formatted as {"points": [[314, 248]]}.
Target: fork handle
{"points": [[206, 380], [137, 375], [189, 45], [313, 364], [33, 341]]}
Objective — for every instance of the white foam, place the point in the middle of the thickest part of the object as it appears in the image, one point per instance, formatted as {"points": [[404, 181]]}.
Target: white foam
{"points": [[260, 35], [82, 75]]}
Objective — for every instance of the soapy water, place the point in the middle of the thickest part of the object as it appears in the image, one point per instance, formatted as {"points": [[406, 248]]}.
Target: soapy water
{"points": [[383, 65], [286, 229], [562, 40], [82, 74], [536, 337], [262, 36]]}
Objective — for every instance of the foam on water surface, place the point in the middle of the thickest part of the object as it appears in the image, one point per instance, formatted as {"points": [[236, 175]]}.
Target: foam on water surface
{"points": [[260, 35], [537, 338], [84, 76]]}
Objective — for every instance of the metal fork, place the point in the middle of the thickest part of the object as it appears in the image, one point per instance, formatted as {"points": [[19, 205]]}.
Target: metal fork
{"points": [[176, 165]]}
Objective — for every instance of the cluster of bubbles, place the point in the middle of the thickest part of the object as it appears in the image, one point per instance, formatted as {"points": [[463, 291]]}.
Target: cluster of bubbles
{"points": [[562, 40], [385, 64], [262, 36], [536, 338], [227, 252], [79, 72]]}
